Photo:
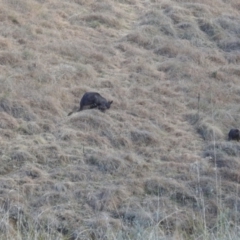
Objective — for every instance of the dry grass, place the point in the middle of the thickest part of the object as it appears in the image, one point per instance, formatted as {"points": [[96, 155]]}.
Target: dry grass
{"points": [[157, 164]]}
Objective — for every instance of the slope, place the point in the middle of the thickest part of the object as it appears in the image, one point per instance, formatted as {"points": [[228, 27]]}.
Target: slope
{"points": [[156, 164]]}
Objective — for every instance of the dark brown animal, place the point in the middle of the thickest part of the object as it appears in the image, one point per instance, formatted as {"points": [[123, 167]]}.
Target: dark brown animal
{"points": [[234, 134], [93, 100]]}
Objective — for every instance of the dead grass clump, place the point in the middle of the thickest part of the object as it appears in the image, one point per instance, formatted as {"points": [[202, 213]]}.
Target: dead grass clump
{"points": [[99, 56], [85, 71], [208, 130], [220, 162], [39, 154], [69, 49], [29, 128], [231, 69], [162, 186], [28, 189], [64, 72], [236, 5], [108, 7], [14, 218], [178, 69], [220, 75], [161, 21], [16, 109], [20, 156], [230, 175], [140, 39], [184, 198], [192, 226], [223, 155], [217, 58], [32, 172], [229, 44], [22, 7], [177, 14], [102, 7], [106, 84], [135, 217], [43, 225], [129, 50], [168, 50], [211, 29], [101, 227], [233, 203], [143, 73], [66, 134], [80, 2], [143, 138], [176, 169], [77, 92], [232, 57], [4, 44], [94, 140], [7, 121], [158, 89], [50, 104], [116, 138], [205, 185], [190, 31], [7, 165], [51, 150], [153, 17], [9, 58], [96, 20], [46, 125], [225, 148], [40, 74], [137, 93], [199, 9], [53, 198], [7, 183], [130, 2], [108, 199], [230, 24], [106, 163], [212, 210], [181, 50], [229, 188], [92, 119], [77, 176], [80, 52]]}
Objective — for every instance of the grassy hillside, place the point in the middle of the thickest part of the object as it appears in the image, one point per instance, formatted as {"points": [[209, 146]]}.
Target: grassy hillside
{"points": [[157, 165]]}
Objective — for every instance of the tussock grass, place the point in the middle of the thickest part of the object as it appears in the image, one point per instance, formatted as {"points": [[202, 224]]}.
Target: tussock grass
{"points": [[209, 131], [106, 164], [157, 164]]}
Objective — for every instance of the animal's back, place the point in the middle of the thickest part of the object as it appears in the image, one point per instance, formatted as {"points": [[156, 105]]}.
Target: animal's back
{"points": [[89, 99], [92, 100], [234, 134]]}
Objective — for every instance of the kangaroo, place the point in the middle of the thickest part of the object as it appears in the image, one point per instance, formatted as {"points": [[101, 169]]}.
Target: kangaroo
{"points": [[93, 100], [234, 134]]}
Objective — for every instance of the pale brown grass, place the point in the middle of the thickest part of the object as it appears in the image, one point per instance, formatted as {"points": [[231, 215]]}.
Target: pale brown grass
{"points": [[157, 164]]}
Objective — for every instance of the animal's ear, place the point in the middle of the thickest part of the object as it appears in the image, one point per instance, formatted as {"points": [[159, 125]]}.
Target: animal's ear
{"points": [[110, 102]]}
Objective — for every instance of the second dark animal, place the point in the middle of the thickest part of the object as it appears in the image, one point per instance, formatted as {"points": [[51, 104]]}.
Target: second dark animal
{"points": [[93, 100], [234, 134]]}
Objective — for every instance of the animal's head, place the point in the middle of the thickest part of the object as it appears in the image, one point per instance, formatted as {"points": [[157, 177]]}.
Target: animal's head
{"points": [[105, 106], [108, 105], [235, 131]]}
